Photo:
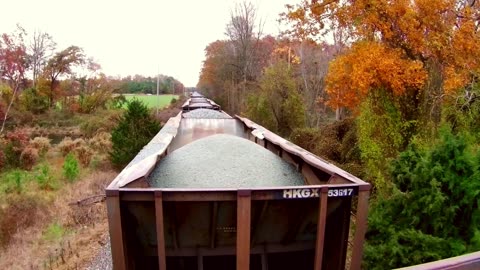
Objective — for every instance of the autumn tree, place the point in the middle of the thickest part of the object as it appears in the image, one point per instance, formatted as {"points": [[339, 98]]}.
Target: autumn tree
{"points": [[61, 64], [305, 30], [438, 38], [278, 105], [217, 72], [40, 50], [310, 62], [241, 31], [244, 32], [409, 58], [13, 64], [408, 66], [370, 66], [96, 93], [220, 77]]}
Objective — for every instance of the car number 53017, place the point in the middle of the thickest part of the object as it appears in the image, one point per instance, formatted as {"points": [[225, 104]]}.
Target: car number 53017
{"points": [[340, 192]]}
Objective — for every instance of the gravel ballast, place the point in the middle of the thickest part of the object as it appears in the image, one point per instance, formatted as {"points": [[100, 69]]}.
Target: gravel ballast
{"points": [[103, 261], [223, 161], [205, 114]]}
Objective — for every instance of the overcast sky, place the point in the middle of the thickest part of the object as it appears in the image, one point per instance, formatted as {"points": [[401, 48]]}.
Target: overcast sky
{"points": [[136, 36]]}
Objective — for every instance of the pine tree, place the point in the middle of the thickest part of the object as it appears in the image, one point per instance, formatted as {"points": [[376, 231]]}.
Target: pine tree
{"points": [[433, 212], [135, 129]]}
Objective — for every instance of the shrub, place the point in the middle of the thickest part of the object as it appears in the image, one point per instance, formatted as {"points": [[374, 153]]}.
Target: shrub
{"points": [[15, 180], [135, 129], [84, 154], [433, 212], [336, 142], [79, 142], [93, 126], [21, 211], [28, 158], [14, 143], [42, 144], [117, 102], [103, 121], [166, 113], [94, 100], [101, 142], [173, 101], [44, 178], [33, 101], [70, 167], [380, 127], [21, 118], [349, 149], [306, 138], [95, 162], [54, 232], [66, 146]]}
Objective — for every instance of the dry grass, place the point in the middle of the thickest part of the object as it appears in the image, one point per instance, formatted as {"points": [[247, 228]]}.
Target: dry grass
{"points": [[81, 228]]}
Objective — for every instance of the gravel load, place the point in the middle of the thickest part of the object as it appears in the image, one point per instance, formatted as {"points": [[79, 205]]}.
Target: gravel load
{"points": [[223, 161], [205, 114], [103, 261]]}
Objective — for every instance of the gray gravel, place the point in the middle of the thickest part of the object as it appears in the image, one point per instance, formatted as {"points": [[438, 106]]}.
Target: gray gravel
{"points": [[205, 114], [103, 261], [223, 161]]}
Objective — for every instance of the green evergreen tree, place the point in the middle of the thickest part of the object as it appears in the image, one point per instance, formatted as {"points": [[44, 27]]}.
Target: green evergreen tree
{"points": [[433, 212], [70, 168], [135, 129]]}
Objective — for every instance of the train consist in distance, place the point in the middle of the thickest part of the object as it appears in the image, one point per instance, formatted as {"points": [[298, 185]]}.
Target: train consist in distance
{"points": [[212, 191]]}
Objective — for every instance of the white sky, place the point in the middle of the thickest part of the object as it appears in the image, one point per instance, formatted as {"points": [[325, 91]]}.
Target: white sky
{"points": [[135, 36]]}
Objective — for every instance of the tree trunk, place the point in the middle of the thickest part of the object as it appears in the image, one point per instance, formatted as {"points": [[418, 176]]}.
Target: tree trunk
{"points": [[339, 114], [8, 108]]}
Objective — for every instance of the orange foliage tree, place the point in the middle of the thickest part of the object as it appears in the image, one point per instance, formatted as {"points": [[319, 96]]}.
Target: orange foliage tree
{"points": [[222, 73], [396, 45], [367, 66]]}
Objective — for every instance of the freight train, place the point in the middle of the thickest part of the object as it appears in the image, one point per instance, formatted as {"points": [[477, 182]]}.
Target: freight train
{"points": [[214, 191]]}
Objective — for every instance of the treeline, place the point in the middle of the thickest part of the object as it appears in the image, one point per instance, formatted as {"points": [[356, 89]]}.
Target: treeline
{"points": [[394, 99], [36, 76], [234, 72], [148, 85]]}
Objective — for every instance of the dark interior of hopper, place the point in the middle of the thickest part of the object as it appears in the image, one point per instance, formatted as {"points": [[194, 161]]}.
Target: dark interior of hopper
{"points": [[283, 234]]}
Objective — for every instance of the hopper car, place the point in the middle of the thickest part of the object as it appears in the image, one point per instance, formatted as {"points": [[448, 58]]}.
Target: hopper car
{"points": [[318, 223]]}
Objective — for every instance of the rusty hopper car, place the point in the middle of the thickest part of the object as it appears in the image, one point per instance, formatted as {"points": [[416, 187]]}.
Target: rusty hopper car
{"points": [[306, 226]]}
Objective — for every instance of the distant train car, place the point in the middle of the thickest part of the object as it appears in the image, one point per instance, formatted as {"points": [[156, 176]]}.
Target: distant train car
{"points": [[195, 94], [200, 103]]}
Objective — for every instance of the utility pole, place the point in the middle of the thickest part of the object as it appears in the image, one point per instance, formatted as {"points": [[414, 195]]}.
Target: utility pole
{"points": [[158, 87]]}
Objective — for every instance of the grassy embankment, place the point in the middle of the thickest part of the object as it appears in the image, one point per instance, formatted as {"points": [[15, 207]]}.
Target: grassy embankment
{"points": [[41, 226]]}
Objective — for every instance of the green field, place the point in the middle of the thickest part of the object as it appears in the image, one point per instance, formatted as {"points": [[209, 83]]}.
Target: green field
{"points": [[152, 101]]}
